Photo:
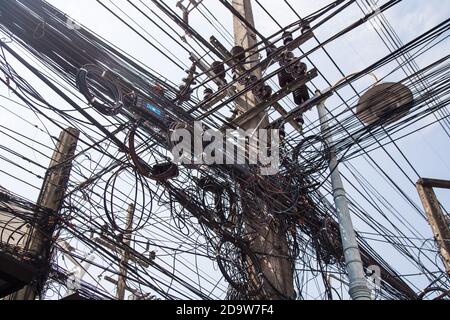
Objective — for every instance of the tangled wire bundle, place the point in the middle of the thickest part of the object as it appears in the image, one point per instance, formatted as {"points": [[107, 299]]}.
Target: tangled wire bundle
{"points": [[98, 87]]}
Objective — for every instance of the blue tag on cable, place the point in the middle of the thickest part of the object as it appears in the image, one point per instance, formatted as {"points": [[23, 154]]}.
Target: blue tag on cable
{"points": [[154, 109]]}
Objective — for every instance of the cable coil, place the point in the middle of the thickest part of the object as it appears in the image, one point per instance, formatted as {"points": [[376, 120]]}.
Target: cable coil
{"points": [[98, 87]]}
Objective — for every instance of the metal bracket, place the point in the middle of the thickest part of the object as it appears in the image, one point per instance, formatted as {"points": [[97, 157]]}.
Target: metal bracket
{"points": [[249, 115], [186, 11], [219, 82]]}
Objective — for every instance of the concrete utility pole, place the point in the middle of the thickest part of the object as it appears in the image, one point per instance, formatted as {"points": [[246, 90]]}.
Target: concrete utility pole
{"points": [[246, 38], [52, 195], [359, 289], [438, 220], [127, 237], [270, 242]]}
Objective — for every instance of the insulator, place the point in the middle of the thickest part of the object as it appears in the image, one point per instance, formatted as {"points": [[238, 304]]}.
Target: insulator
{"points": [[282, 131], [286, 58], [252, 82], [238, 54], [306, 27], [218, 68], [303, 67], [267, 92], [301, 95], [207, 93], [271, 49], [292, 69], [297, 70], [243, 81], [284, 78], [252, 79], [264, 92], [288, 37], [152, 255], [300, 120]]}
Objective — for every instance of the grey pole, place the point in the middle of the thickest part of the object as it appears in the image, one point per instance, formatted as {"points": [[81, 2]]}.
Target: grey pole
{"points": [[359, 289]]}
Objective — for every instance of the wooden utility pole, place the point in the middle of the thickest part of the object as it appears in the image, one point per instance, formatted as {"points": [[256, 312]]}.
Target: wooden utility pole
{"points": [[127, 237], [438, 220], [247, 39], [52, 195], [126, 257], [268, 240]]}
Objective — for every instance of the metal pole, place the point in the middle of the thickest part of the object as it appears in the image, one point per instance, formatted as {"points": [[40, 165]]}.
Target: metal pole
{"points": [[359, 289]]}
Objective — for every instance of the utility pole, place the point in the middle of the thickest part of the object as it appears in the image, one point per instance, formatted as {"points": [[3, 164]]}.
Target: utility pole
{"points": [[359, 289], [269, 241], [438, 220], [127, 237], [126, 256], [52, 195], [246, 38]]}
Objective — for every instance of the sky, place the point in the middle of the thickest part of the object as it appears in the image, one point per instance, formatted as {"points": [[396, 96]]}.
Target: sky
{"points": [[428, 150]]}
